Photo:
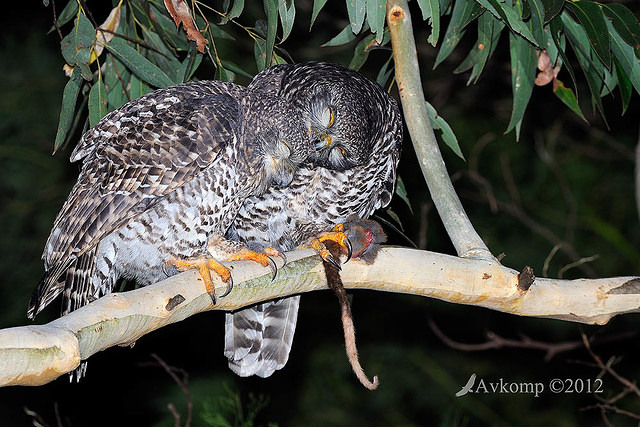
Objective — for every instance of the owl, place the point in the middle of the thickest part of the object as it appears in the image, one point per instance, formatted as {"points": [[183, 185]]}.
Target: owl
{"points": [[356, 128], [162, 179]]}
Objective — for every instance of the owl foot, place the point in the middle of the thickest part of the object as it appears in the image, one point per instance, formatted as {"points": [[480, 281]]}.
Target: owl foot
{"points": [[338, 236], [204, 265], [263, 258]]}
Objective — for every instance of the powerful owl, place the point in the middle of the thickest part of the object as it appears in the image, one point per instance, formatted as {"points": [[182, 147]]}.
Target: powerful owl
{"points": [[359, 128], [162, 177]]}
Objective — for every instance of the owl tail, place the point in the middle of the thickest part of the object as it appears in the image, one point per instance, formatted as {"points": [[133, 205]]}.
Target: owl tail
{"points": [[258, 339], [49, 287]]}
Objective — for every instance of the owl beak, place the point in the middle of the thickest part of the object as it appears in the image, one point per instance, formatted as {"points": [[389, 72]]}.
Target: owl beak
{"points": [[324, 142]]}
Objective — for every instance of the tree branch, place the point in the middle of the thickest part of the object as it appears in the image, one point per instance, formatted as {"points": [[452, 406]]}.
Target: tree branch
{"points": [[35, 355], [464, 237]]}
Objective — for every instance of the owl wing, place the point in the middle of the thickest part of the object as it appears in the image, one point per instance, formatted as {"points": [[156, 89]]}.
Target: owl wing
{"points": [[138, 154]]}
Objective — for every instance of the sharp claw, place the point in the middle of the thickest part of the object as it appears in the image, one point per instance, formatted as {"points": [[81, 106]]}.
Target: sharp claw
{"points": [[229, 288], [347, 243], [213, 298], [284, 258], [333, 261], [274, 268]]}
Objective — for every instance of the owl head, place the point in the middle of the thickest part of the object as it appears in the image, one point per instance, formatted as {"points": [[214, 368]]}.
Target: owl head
{"points": [[344, 114], [277, 141]]}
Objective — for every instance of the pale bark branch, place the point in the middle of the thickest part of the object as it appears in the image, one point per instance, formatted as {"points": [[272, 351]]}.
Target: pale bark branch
{"points": [[464, 237], [35, 355]]}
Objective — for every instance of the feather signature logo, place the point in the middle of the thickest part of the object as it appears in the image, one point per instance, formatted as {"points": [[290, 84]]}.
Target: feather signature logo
{"points": [[467, 387]]}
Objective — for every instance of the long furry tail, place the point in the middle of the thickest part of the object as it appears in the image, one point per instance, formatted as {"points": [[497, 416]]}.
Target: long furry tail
{"points": [[335, 283]]}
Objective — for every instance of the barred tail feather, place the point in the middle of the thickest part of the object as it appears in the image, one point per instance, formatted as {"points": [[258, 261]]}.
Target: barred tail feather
{"points": [[49, 287], [258, 339]]}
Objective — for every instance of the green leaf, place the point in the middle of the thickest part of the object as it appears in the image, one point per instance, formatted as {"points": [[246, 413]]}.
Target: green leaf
{"points": [[271, 9], [551, 9], [592, 19], [236, 69], [362, 49], [626, 57], [510, 16], [537, 20], [189, 65], [138, 64], [317, 7], [385, 72], [625, 23], [489, 31], [115, 75], [376, 12], [287, 17], [438, 123], [97, 102], [523, 75], [463, 13], [556, 31], [356, 10], [236, 10], [593, 69], [164, 60], [76, 46], [69, 98], [401, 191], [166, 27], [566, 95], [137, 87], [67, 14], [431, 11], [345, 36], [624, 85]]}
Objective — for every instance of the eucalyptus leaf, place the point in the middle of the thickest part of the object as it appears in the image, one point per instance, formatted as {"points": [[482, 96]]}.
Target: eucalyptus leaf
{"points": [[626, 57], [431, 11], [593, 22], [287, 17], [624, 85], [625, 24], [345, 36], [271, 9], [523, 69], [69, 99], [510, 16], [356, 9], [551, 9], [67, 14], [463, 13], [97, 102], [138, 64], [448, 136], [537, 20], [317, 7], [236, 11], [376, 12], [569, 99], [401, 191]]}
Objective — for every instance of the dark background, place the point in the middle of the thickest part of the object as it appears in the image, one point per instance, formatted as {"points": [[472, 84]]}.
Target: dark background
{"points": [[564, 182]]}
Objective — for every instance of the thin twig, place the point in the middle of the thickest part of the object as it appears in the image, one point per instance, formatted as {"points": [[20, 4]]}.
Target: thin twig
{"points": [[182, 383], [622, 380]]}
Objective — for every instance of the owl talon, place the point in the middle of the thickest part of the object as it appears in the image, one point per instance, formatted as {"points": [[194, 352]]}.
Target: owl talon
{"points": [[347, 243], [229, 288], [338, 236], [274, 268], [205, 265], [259, 257]]}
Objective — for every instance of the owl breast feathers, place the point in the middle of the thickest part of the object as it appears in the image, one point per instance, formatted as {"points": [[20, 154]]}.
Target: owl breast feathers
{"points": [[357, 129]]}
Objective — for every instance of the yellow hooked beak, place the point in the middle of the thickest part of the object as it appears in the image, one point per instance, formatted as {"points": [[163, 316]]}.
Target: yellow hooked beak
{"points": [[323, 142]]}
